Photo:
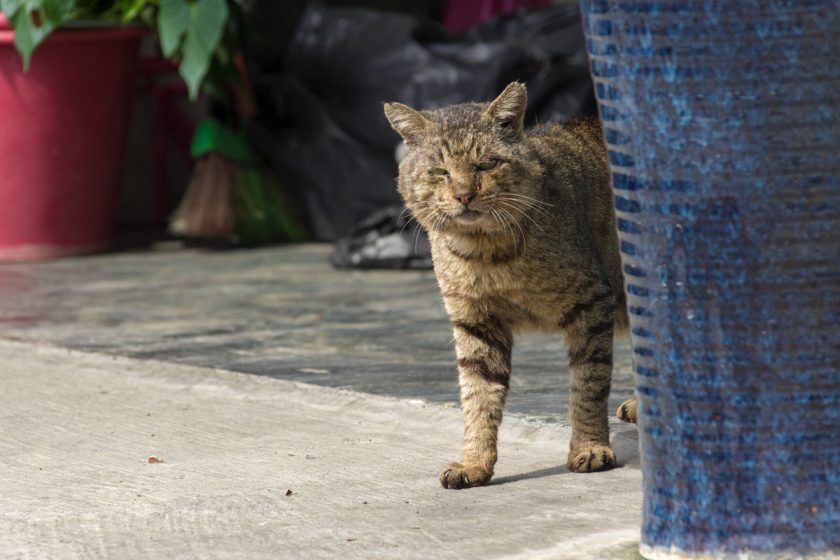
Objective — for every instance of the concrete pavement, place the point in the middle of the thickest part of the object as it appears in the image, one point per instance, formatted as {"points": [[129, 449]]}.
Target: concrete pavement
{"points": [[78, 429]]}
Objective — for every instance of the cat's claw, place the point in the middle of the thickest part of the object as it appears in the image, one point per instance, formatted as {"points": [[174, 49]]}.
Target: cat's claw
{"points": [[591, 459], [627, 411], [457, 476]]}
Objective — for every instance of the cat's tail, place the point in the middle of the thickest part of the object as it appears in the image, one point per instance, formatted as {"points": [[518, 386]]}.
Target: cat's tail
{"points": [[621, 325]]}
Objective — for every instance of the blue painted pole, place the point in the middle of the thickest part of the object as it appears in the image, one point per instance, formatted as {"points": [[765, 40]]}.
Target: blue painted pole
{"points": [[722, 120]]}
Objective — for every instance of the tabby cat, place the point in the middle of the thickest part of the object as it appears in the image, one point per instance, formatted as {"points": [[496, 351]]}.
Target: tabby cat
{"points": [[523, 236]]}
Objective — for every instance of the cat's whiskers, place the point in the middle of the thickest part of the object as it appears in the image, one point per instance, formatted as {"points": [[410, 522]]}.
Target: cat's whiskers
{"points": [[534, 200], [516, 223], [420, 214], [411, 219], [443, 220], [515, 238], [521, 211], [416, 236], [498, 218], [510, 197], [528, 205], [497, 199], [440, 222], [434, 224], [437, 222]]}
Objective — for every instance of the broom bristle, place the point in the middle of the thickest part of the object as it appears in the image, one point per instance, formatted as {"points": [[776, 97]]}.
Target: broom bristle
{"points": [[208, 208]]}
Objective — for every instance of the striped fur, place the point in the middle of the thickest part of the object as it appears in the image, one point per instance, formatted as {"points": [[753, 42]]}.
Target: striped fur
{"points": [[534, 248]]}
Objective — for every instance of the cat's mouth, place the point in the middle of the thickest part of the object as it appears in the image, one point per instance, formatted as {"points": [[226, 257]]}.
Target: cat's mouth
{"points": [[468, 215]]}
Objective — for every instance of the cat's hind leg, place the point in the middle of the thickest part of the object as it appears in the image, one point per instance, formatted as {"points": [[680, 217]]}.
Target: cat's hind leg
{"points": [[483, 347], [589, 337], [627, 411]]}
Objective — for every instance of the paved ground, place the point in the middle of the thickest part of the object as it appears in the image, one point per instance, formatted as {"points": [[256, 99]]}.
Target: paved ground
{"points": [[282, 312], [107, 361]]}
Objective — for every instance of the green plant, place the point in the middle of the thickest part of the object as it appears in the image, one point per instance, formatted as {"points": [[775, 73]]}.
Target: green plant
{"points": [[198, 34]]}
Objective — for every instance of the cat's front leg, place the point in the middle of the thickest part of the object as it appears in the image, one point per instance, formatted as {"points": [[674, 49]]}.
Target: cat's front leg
{"points": [[483, 346], [589, 338]]}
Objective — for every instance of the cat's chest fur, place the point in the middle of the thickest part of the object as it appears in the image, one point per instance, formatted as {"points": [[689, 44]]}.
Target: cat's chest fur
{"points": [[529, 291]]}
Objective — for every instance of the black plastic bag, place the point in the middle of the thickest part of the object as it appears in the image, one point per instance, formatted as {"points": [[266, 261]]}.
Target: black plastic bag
{"points": [[321, 122], [386, 239]]}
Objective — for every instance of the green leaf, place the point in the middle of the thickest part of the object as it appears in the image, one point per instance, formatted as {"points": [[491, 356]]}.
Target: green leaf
{"points": [[56, 12], [10, 7], [173, 20], [133, 10], [207, 22], [27, 34]]}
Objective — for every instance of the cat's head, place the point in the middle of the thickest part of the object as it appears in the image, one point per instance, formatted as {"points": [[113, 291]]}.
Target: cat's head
{"points": [[467, 167]]}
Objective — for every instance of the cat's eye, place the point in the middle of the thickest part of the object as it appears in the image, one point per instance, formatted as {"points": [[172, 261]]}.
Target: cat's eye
{"points": [[488, 165], [438, 171]]}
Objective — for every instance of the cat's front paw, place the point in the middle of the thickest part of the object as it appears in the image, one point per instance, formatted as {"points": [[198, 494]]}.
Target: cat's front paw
{"points": [[627, 411], [591, 458], [456, 476]]}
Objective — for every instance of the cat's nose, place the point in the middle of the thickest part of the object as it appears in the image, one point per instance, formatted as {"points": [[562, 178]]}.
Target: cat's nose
{"points": [[464, 197]]}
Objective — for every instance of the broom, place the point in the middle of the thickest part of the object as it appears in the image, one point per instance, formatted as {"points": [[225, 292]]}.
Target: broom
{"points": [[208, 209], [231, 196]]}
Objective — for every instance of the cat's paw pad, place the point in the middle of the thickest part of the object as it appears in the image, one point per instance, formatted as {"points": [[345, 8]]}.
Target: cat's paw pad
{"points": [[627, 411], [456, 476], [591, 459]]}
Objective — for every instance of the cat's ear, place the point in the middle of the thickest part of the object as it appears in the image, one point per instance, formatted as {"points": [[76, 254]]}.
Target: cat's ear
{"points": [[507, 111], [410, 124]]}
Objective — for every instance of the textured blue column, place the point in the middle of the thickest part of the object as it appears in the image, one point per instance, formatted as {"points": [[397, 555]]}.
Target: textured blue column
{"points": [[723, 125]]}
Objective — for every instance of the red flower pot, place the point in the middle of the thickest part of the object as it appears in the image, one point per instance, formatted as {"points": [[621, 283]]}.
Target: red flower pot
{"points": [[62, 130]]}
